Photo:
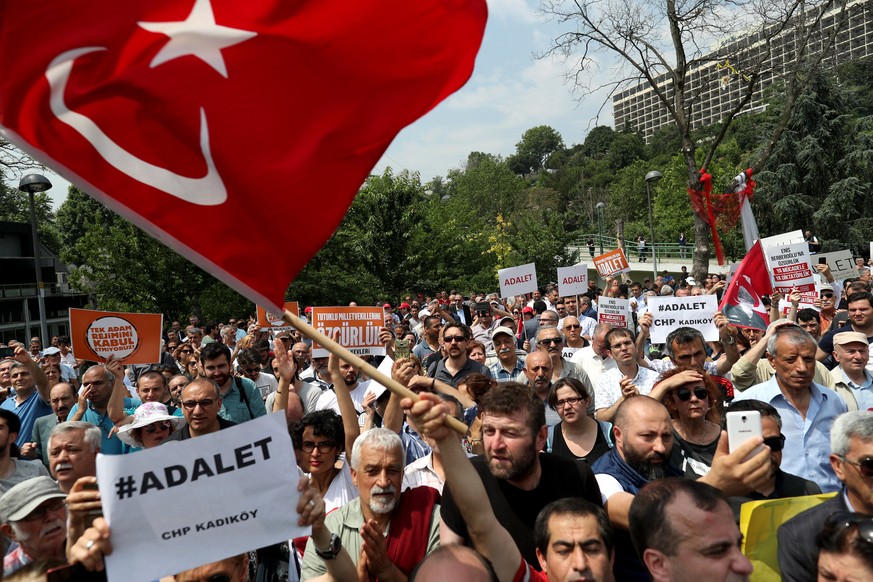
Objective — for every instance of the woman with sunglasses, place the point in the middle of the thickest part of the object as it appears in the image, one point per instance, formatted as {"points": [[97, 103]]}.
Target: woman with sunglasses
{"points": [[151, 425], [695, 404], [577, 436]]}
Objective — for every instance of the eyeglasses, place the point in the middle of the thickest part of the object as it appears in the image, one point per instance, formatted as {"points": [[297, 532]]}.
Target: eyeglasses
{"points": [[684, 394], [572, 326], [516, 312], [187, 351], [51, 505], [551, 340], [205, 403], [323, 446], [865, 466], [571, 401], [776, 443], [252, 371], [454, 339], [827, 295], [483, 313], [157, 426], [864, 523]]}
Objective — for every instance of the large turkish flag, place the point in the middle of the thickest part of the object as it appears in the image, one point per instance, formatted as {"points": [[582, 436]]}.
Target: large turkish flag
{"points": [[214, 124]]}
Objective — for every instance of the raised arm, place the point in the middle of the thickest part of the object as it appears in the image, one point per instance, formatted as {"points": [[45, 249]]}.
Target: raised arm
{"points": [[344, 401], [22, 357], [287, 398], [489, 536], [115, 407], [731, 354]]}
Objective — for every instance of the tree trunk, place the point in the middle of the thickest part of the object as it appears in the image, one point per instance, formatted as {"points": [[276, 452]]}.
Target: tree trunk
{"points": [[619, 233], [700, 266]]}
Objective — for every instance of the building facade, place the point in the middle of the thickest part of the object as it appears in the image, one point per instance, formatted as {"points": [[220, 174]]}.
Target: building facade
{"points": [[714, 88]]}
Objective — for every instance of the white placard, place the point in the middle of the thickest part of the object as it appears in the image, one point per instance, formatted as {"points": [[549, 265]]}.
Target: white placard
{"points": [[789, 267], [385, 367], [786, 238], [614, 311], [187, 503], [668, 313], [573, 280], [518, 280], [841, 263]]}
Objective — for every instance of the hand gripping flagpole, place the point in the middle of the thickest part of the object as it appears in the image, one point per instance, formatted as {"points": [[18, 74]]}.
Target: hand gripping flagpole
{"points": [[350, 358]]}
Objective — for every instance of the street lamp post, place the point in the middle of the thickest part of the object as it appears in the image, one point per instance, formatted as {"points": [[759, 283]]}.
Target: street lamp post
{"points": [[652, 176], [600, 206], [33, 183]]}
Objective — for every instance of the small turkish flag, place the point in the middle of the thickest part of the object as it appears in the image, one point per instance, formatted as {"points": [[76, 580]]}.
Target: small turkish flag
{"points": [[211, 123], [742, 303]]}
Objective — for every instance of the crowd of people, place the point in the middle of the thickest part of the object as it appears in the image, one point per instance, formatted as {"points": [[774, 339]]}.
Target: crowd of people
{"points": [[590, 453]]}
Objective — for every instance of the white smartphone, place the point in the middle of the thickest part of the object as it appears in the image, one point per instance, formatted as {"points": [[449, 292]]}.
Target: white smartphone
{"points": [[743, 425]]}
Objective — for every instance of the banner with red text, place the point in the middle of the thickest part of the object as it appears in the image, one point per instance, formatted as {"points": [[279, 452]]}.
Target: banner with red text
{"points": [[358, 327], [518, 280], [611, 263], [573, 280]]}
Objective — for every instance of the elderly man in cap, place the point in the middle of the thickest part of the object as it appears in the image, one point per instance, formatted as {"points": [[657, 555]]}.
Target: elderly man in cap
{"points": [[851, 379], [33, 514]]}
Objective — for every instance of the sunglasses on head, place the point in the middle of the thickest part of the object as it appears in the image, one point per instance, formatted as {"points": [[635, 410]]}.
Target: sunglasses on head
{"points": [[684, 394], [844, 519], [865, 466]]}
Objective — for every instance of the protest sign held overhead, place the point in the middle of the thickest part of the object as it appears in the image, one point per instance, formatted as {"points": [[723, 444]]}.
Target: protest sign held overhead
{"points": [[131, 338], [573, 280], [518, 280], [195, 501], [149, 106], [790, 268], [611, 263], [614, 311], [668, 313], [358, 327], [841, 264], [269, 321], [741, 302]]}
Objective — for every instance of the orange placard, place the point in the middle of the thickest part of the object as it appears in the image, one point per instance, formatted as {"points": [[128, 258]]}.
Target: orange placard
{"points": [[611, 263], [269, 321], [359, 329], [132, 338]]}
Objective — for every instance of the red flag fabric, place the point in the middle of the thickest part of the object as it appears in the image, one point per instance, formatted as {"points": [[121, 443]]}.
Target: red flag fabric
{"points": [[741, 302], [215, 124]]}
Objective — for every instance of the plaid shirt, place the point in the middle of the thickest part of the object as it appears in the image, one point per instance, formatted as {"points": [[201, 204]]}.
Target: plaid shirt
{"points": [[502, 375]]}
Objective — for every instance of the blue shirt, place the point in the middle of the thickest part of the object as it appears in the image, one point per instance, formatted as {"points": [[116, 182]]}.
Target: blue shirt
{"points": [[235, 409], [807, 441], [28, 411], [863, 394], [108, 446]]}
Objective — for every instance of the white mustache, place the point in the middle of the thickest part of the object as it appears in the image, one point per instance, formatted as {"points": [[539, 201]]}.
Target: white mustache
{"points": [[376, 490], [62, 466], [504, 351]]}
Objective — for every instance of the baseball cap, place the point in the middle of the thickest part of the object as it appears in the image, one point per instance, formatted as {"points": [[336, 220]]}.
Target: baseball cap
{"points": [[501, 330], [51, 351], [849, 337], [404, 305], [19, 501], [527, 310]]}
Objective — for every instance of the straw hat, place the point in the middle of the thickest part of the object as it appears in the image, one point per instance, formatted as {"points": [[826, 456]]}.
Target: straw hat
{"points": [[148, 413]]}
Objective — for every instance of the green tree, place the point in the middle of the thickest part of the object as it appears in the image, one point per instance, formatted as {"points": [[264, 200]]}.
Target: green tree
{"points": [[535, 147]]}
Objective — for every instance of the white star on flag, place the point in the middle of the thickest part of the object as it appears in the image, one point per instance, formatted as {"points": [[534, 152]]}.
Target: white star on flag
{"points": [[199, 36]]}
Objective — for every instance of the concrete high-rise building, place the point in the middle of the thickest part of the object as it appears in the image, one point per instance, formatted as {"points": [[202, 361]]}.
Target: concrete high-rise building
{"points": [[715, 88]]}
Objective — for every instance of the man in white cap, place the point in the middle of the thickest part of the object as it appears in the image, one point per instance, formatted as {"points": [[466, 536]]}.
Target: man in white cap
{"points": [[851, 378], [34, 514], [508, 367]]}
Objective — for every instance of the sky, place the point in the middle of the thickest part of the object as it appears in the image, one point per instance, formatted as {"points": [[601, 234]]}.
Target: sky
{"points": [[510, 92]]}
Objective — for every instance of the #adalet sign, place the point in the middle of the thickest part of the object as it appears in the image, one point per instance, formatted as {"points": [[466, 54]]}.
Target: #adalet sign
{"points": [[269, 321], [668, 313], [132, 338], [573, 280], [359, 329], [196, 501], [518, 280]]}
